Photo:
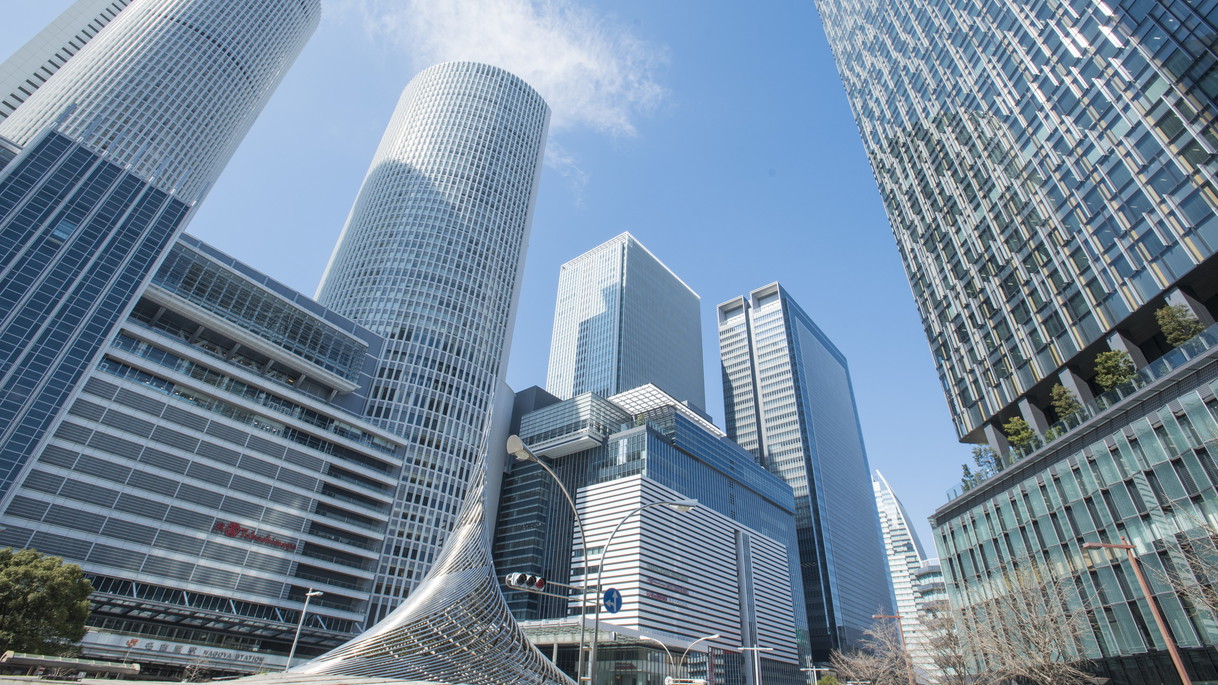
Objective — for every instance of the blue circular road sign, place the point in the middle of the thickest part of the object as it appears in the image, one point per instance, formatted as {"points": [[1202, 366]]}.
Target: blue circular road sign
{"points": [[613, 600]]}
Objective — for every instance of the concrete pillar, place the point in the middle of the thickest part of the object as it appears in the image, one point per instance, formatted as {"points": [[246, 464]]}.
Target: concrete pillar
{"points": [[1121, 342], [1033, 415], [1075, 384], [997, 439], [1176, 296]]}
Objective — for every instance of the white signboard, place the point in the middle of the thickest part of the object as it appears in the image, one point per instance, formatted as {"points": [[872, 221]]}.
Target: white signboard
{"points": [[143, 650]]}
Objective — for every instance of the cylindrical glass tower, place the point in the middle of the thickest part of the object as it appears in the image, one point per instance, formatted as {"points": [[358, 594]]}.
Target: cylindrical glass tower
{"points": [[36, 61], [172, 86], [431, 258], [118, 146]]}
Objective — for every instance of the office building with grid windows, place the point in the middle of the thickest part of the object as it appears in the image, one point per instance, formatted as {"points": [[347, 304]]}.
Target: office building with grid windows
{"points": [[623, 320], [724, 568], [788, 400], [210, 468], [1048, 171], [431, 260], [38, 60]]}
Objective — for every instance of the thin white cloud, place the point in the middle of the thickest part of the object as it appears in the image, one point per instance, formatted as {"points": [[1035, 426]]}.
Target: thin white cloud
{"points": [[568, 167], [592, 71]]}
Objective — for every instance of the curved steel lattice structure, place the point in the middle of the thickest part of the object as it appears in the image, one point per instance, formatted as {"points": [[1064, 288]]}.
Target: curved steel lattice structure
{"points": [[454, 628]]}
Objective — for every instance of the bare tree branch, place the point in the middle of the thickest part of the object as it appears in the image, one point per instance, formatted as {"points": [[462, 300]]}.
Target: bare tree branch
{"points": [[881, 661], [1194, 575], [1032, 628]]}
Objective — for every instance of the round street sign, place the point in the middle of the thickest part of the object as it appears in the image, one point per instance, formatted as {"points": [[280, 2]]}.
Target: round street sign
{"points": [[613, 600]]}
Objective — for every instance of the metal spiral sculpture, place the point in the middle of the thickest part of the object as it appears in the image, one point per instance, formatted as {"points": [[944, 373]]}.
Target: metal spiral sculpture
{"points": [[454, 628]]}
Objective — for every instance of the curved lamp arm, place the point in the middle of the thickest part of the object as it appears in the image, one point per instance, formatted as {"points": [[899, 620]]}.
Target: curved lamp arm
{"points": [[691, 645], [666, 650]]}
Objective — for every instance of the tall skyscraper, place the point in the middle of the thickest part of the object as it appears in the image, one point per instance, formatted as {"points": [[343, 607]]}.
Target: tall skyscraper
{"points": [[906, 558], [38, 60], [623, 320], [431, 259], [788, 400], [1049, 184], [1048, 170], [111, 156]]}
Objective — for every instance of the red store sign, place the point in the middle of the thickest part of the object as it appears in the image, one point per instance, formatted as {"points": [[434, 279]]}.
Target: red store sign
{"points": [[233, 529]]}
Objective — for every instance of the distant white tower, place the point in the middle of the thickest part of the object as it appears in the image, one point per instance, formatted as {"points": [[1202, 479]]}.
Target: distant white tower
{"points": [[38, 60], [171, 86], [905, 559], [431, 258]]}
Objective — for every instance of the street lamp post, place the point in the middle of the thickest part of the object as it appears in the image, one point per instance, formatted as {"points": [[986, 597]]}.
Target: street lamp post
{"points": [[300, 624], [756, 661], [683, 505], [904, 647], [670, 664], [816, 673], [679, 666], [685, 654], [517, 448], [1150, 601]]}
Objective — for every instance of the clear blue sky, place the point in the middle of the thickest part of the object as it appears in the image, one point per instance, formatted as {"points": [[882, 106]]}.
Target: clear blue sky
{"points": [[717, 133]]}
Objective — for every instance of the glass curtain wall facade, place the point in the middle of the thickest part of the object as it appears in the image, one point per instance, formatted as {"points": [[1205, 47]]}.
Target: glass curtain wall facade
{"points": [[1048, 170], [431, 259], [80, 234], [104, 185], [1148, 472], [788, 400], [38, 60], [622, 320]]}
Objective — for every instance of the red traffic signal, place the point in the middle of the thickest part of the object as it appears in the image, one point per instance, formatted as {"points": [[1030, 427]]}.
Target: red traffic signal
{"points": [[525, 581]]}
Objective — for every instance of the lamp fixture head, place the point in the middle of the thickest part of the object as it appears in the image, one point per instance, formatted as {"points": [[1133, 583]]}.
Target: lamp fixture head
{"points": [[516, 448]]}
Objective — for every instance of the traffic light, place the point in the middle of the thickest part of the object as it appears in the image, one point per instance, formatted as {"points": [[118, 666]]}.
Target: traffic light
{"points": [[525, 581]]}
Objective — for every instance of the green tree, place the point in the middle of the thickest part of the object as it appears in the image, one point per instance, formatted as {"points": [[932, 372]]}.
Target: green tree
{"points": [[986, 458], [1113, 368], [829, 680], [1178, 324], [1019, 432], [988, 463], [967, 478], [1065, 402], [43, 602]]}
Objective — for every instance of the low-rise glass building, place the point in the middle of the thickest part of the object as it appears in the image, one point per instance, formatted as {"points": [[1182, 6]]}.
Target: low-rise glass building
{"points": [[1144, 469]]}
